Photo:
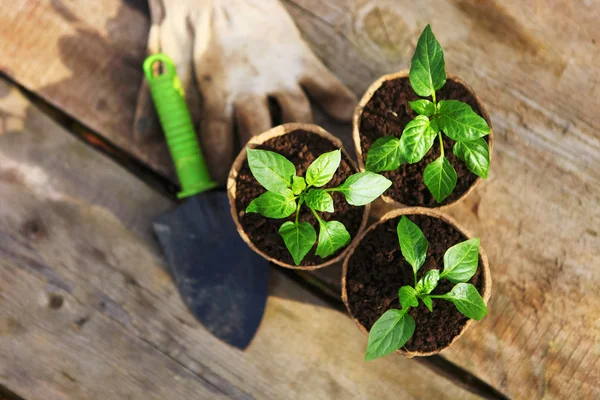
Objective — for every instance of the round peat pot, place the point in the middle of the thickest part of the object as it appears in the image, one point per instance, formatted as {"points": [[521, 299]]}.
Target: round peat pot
{"points": [[374, 270], [384, 111], [301, 144]]}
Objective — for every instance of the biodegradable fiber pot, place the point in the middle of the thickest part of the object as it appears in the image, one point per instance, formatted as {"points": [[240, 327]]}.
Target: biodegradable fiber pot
{"points": [[384, 111], [301, 144], [374, 270]]}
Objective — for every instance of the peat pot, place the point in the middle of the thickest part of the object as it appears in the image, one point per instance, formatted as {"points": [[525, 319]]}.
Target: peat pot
{"points": [[301, 144], [384, 111], [374, 270]]}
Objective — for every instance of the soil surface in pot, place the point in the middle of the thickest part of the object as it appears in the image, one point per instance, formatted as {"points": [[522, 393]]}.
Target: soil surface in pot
{"points": [[378, 120], [301, 148], [377, 270]]}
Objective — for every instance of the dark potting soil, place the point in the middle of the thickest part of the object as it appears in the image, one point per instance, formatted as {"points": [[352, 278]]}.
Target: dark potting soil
{"points": [[301, 148], [378, 120], [377, 270]]}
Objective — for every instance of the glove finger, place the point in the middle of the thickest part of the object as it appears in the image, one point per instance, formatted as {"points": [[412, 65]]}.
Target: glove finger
{"points": [[178, 45], [216, 135], [176, 41], [146, 126], [252, 117], [153, 45], [295, 106], [157, 11], [327, 90], [216, 127]]}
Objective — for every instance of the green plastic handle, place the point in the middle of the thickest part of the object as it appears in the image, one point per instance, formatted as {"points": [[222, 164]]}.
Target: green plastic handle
{"points": [[169, 100]]}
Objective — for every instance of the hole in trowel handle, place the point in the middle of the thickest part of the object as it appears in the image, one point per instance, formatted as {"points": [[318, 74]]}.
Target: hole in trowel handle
{"points": [[158, 68], [159, 65]]}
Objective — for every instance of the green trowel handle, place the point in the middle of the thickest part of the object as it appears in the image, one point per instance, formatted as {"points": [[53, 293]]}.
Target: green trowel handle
{"points": [[169, 100]]}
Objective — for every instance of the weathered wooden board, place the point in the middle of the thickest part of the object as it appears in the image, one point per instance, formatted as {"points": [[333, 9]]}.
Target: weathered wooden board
{"points": [[87, 310], [538, 214], [84, 58], [536, 67]]}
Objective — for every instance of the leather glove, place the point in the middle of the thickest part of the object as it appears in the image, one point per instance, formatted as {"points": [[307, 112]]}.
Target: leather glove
{"points": [[232, 56]]}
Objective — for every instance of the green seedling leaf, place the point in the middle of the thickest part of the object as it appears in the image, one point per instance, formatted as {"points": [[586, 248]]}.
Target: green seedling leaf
{"points": [[461, 261], [332, 237], [440, 178], [319, 200], [423, 107], [299, 239], [412, 243], [273, 205], [364, 187], [323, 168], [460, 122], [273, 171], [429, 282], [467, 300], [384, 155], [427, 68], [298, 184], [428, 303], [389, 333], [407, 297], [417, 138], [475, 154]]}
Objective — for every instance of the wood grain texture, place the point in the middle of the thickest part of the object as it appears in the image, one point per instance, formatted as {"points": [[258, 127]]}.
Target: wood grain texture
{"points": [[84, 58], [88, 311], [536, 67]]}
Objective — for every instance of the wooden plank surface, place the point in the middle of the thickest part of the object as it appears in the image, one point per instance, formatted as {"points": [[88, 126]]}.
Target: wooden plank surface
{"points": [[87, 310], [539, 212], [84, 58], [536, 67]]}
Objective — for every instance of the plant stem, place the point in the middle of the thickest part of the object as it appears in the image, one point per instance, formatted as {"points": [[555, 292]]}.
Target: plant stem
{"points": [[317, 216], [415, 274], [438, 296], [298, 210], [439, 132]]}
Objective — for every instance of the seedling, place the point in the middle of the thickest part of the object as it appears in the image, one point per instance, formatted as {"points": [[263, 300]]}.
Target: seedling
{"points": [[395, 327], [456, 119], [287, 192]]}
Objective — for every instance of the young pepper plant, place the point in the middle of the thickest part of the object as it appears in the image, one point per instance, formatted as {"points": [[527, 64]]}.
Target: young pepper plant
{"points": [[395, 327], [456, 119], [287, 192]]}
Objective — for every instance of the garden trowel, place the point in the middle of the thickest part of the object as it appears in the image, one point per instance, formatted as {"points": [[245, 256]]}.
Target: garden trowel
{"points": [[222, 281]]}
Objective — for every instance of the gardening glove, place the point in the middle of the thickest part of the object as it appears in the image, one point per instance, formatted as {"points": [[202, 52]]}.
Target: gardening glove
{"points": [[231, 56]]}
